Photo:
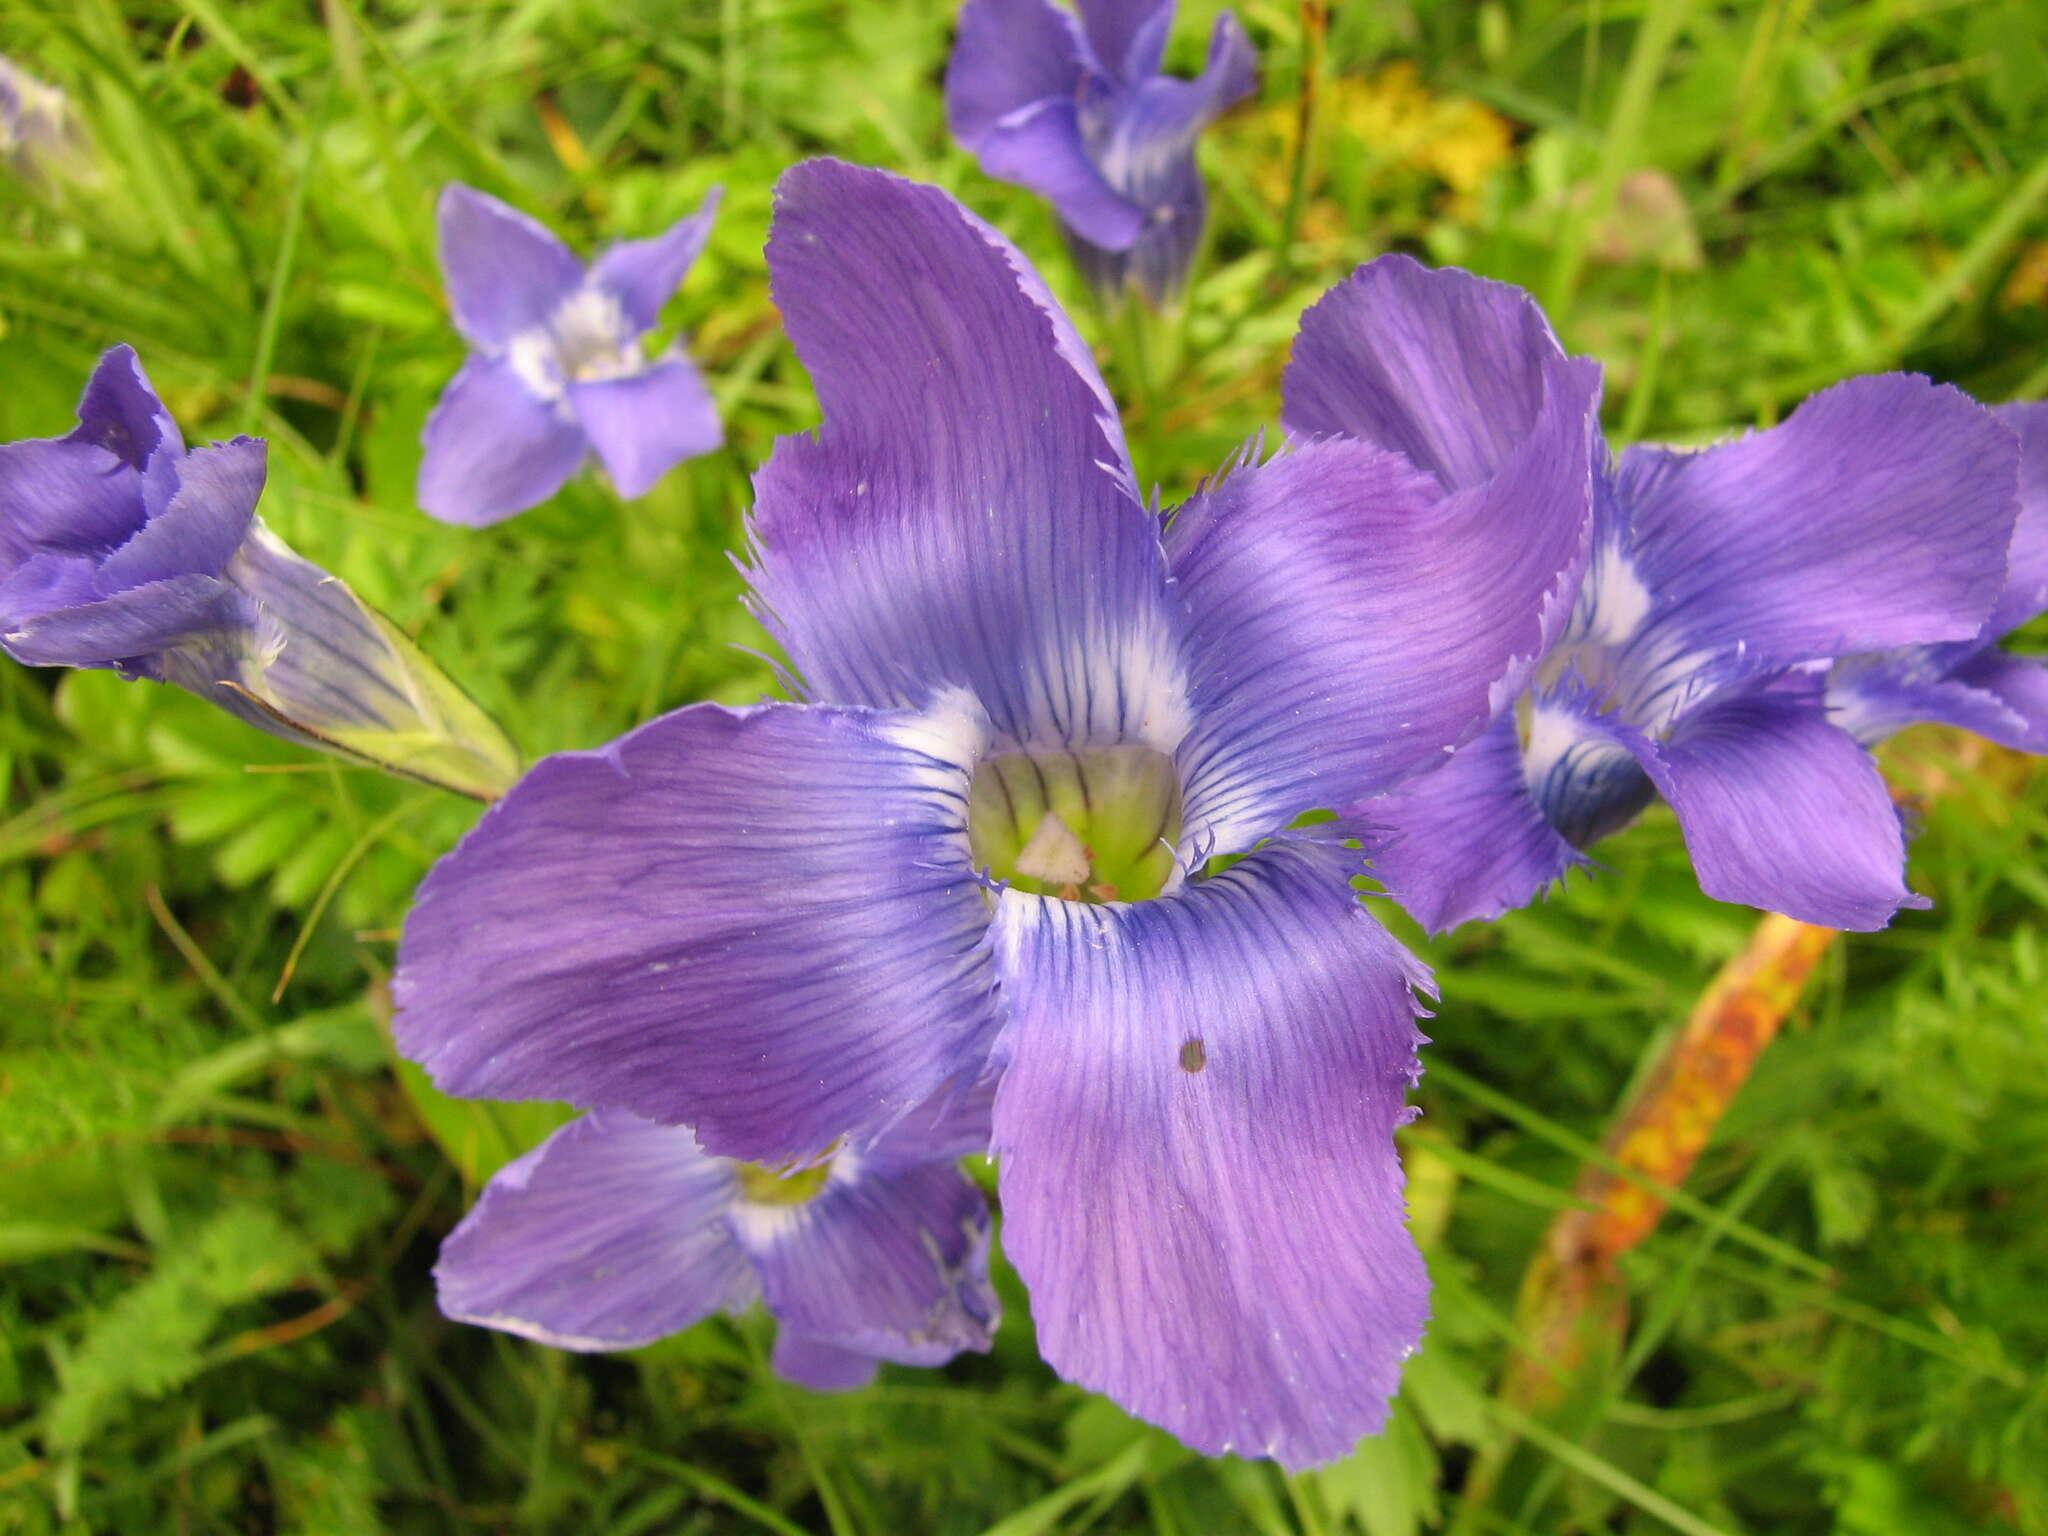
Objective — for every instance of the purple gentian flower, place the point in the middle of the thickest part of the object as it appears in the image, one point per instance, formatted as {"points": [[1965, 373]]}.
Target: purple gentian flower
{"points": [[115, 542], [616, 1231], [1876, 515], [1078, 112], [1970, 683], [119, 549], [983, 843], [557, 372]]}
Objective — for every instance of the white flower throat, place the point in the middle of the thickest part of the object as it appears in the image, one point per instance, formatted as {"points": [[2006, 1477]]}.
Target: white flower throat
{"points": [[584, 342]]}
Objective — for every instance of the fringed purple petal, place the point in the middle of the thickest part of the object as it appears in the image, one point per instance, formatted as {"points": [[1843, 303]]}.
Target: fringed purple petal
{"points": [[505, 272], [493, 448], [1784, 811], [205, 522], [610, 1234], [1199, 1180], [1877, 515], [1449, 370], [895, 1266], [132, 629], [645, 424], [1468, 840], [759, 922], [966, 515], [1346, 629], [642, 274]]}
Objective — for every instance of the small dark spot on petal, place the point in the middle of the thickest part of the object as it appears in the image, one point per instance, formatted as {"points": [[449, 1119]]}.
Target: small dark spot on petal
{"points": [[1193, 1056]]}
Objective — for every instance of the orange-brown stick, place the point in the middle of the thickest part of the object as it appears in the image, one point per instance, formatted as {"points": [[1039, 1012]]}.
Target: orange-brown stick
{"points": [[1663, 1130], [1571, 1299]]}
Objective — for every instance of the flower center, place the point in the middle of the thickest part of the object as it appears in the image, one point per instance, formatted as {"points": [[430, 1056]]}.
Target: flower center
{"points": [[778, 1186], [1095, 825], [590, 333], [1594, 662], [585, 342]]}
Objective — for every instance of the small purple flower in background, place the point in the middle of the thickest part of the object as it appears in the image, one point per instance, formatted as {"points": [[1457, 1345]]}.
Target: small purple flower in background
{"points": [[1076, 110], [778, 924], [1970, 683], [617, 1231], [558, 372], [119, 549], [38, 128], [1877, 515]]}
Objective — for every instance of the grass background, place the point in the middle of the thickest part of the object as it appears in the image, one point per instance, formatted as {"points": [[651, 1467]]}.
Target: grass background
{"points": [[218, 1204]]}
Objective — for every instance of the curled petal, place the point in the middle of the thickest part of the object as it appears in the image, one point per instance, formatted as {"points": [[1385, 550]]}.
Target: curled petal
{"points": [[1464, 379], [1041, 146], [1146, 136], [759, 922], [641, 274], [1128, 37], [1451, 371], [644, 424], [1784, 811], [1232, 70], [1468, 841], [505, 272], [2001, 697], [1008, 55], [493, 448], [1143, 138], [121, 413], [1877, 515], [1199, 1180], [966, 516], [2020, 683], [610, 1234]]}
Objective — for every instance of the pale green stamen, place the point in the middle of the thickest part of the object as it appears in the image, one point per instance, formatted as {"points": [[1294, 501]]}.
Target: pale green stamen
{"points": [[780, 1186], [1094, 825]]}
